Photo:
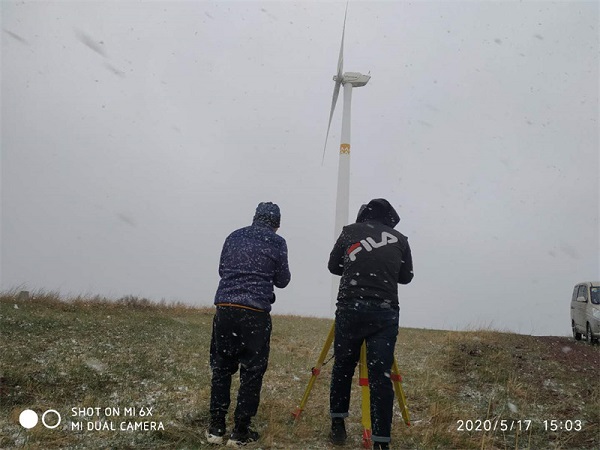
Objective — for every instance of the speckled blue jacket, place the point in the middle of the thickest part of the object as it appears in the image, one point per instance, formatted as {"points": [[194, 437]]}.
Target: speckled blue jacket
{"points": [[253, 260]]}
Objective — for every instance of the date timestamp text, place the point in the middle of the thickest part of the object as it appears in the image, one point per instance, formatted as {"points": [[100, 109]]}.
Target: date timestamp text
{"points": [[503, 425], [492, 425]]}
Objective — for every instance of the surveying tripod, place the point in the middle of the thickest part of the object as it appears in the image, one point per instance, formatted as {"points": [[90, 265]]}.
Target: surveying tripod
{"points": [[363, 381]]}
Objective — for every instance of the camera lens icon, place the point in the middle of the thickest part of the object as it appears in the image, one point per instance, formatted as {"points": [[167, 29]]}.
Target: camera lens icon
{"points": [[29, 419]]}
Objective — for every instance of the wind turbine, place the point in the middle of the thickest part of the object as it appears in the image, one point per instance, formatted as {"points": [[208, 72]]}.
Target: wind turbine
{"points": [[349, 80]]}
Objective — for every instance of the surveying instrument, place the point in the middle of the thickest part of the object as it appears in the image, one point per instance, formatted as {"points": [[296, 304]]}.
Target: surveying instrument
{"points": [[363, 381]]}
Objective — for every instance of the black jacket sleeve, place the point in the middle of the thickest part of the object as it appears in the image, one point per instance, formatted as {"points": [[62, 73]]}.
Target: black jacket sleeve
{"points": [[336, 257], [406, 270]]}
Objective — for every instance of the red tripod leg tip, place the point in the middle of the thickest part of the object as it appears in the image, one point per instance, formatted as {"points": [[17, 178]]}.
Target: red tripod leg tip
{"points": [[367, 443]]}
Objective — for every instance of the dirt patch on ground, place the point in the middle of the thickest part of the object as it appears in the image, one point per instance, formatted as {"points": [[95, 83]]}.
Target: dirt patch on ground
{"points": [[578, 355]]}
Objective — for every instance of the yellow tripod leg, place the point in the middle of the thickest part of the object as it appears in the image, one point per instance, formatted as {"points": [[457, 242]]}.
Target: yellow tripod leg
{"points": [[315, 372], [397, 382], [363, 381]]}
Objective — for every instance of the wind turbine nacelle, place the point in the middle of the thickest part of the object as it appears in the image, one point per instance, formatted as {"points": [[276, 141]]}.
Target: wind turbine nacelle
{"points": [[354, 78]]}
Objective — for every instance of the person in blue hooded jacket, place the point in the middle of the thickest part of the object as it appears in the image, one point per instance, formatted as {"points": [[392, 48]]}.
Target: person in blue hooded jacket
{"points": [[253, 261], [372, 258]]}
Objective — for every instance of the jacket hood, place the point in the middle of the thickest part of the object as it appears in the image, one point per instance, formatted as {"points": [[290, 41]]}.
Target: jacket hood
{"points": [[267, 213], [381, 210]]}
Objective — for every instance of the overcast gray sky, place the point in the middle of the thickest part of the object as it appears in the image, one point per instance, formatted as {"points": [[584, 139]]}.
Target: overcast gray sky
{"points": [[137, 135]]}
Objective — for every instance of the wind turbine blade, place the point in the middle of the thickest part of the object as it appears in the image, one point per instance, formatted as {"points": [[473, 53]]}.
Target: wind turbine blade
{"points": [[336, 93], [340, 66], [338, 81]]}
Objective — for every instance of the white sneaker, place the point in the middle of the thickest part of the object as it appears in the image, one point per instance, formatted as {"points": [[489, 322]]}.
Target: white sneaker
{"points": [[214, 438], [239, 439]]}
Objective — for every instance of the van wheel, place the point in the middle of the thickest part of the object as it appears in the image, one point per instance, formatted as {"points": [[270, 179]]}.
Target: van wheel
{"points": [[576, 334], [588, 334]]}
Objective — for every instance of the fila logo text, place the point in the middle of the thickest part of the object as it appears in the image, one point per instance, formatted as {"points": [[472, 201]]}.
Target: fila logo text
{"points": [[369, 244]]}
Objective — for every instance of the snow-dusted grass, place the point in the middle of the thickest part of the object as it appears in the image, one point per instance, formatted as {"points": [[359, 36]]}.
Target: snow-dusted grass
{"points": [[94, 353]]}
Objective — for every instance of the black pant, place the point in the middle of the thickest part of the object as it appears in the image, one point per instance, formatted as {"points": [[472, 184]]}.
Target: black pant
{"points": [[379, 328], [240, 338]]}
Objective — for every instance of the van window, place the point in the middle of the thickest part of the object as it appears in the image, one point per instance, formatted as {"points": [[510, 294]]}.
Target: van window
{"points": [[583, 292], [595, 294], [575, 291]]}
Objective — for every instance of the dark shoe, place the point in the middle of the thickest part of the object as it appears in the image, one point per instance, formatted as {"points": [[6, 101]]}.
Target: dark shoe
{"points": [[338, 431], [216, 431], [381, 446], [242, 436]]}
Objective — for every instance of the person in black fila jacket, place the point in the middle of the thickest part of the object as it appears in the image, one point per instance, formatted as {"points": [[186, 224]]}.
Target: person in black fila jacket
{"points": [[372, 259], [253, 260]]}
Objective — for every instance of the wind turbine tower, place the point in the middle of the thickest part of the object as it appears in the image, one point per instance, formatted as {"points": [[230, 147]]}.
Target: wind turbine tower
{"points": [[349, 80]]}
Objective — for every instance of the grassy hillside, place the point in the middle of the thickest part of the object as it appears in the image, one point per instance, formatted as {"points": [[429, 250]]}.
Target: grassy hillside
{"points": [[76, 355]]}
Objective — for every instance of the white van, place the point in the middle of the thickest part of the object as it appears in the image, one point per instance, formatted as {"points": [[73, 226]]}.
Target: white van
{"points": [[585, 311]]}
